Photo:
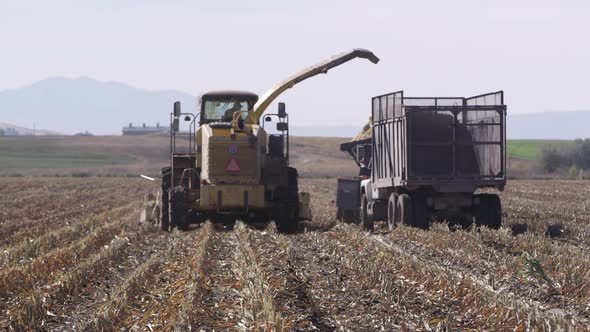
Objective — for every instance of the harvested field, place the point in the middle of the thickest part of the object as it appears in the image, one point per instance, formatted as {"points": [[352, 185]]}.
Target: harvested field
{"points": [[73, 257]]}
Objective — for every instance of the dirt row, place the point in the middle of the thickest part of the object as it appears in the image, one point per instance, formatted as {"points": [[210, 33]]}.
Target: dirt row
{"points": [[97, 268]]}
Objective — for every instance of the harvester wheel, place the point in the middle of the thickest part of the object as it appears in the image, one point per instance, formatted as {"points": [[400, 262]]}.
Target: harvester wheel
{"points": [[286, 215], [223, 222], [351, 215], [286, 221], [403, 211], [177, 212], [347, 215], [293, 185], [489, 211], [164, 222], [391, 207], [367, 222]]}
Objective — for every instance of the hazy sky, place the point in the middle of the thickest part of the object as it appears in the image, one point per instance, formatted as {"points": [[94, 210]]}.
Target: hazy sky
{"points": [[537, 51]]}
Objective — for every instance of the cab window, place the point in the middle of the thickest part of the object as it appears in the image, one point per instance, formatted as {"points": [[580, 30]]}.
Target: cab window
{"points": [[223, 110]]}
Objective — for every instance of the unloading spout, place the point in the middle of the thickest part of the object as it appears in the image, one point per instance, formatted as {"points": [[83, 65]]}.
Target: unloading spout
{"points": [[319, 68]]}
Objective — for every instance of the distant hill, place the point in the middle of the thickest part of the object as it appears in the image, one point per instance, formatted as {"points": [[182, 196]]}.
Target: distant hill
{"points": [[27, 131], [549, 125], [536, 126], [134, 155], [325, 131], [70, 106], [73, 105]]}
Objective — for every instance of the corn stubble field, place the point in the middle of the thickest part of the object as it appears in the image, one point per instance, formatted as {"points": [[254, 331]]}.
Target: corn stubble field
{"points": [[74, 257]]}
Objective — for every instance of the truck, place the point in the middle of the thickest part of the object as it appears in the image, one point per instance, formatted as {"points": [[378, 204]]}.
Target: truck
{"points": [[430, 159], [227, 166], [348, 188]]}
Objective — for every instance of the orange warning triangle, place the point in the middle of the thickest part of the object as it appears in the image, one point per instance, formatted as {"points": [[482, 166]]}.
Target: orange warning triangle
{"points": [[232, 166]]}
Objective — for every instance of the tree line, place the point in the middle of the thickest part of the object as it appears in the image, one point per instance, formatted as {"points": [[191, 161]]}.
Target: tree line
{"points": [[573, 159]]}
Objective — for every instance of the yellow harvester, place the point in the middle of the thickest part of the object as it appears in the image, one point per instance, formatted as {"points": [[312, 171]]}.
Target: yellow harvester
{"points": [[232, 169]]}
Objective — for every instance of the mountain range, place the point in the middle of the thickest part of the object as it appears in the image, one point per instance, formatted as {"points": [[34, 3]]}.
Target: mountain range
{"points": [[73, 105], [76, 105], [9, 129]]}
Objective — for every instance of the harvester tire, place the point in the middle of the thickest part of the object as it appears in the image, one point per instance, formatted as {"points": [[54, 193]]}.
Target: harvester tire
{"points": [[177, 212], [366, 221], [489, 211], [293, 185], [286, 221], [403, 211], [286, 215], [346, 215], [164, 222], [223, 222]]}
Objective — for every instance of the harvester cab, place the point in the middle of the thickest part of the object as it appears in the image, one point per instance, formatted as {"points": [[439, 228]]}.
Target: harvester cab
{"points": [[229, 167]]}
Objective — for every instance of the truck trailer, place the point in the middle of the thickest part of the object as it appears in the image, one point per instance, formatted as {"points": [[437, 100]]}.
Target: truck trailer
{"points": [[430, 159]]}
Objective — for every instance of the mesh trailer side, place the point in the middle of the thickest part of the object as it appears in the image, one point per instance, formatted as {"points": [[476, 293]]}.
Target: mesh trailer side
{"points": [[429, 139], [464, 140]]}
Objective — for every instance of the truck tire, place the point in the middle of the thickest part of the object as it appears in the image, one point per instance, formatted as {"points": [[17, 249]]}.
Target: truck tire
{"points": [[177, 212], [366, 221], [391, 207], [420, 212], [489, 211], [339, 214], [403, 210], [164, 222]]}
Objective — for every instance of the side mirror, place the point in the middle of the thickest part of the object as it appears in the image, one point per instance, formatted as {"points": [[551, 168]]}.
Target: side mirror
{"points": [[175, 125], [282, 111], [282, 126], [267, 119], [176, 109]]}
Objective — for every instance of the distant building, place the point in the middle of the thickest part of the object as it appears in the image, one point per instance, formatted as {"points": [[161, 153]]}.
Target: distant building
{"points": [[84, 133], [145, 130]]}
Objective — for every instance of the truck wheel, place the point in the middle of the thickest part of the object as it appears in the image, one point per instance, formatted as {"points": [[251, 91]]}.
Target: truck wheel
{"points": [[391, 207], [489, 211], [420, 212], [367, 222], [177, 212], [403, 211], [164, 221]]}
